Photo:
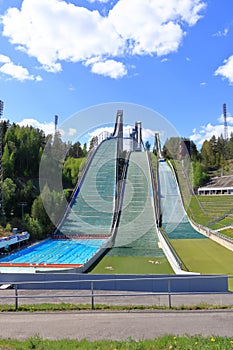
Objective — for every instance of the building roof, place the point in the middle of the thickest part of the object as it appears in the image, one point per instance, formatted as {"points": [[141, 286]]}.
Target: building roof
{"points": [[220, 182]]}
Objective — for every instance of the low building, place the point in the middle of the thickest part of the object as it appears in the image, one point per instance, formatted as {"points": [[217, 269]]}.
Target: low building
{"points": [[218, 186]]}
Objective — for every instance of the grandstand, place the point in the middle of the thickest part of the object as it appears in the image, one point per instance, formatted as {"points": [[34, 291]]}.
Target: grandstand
{"points": [[218, 186]]}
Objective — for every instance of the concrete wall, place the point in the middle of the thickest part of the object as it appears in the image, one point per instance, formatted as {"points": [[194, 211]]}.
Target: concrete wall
{"points": [[139, 283], [213, 235]]}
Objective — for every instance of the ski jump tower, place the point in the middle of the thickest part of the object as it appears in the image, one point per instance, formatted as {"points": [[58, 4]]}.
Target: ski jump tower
{"points": [[137, 136], [157, 145]]}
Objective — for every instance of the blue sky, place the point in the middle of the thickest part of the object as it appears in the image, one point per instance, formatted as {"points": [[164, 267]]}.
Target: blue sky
{"points": [[174, 57]]}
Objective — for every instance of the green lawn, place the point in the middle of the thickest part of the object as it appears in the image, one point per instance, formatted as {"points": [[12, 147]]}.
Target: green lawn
{"points": [[198, 255], [204, 209], [166, 342], [204, 256], [133, 265], [228, 232]]}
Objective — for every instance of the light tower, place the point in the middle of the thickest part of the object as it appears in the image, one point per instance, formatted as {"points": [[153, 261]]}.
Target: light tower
{"points": [[55, 122], [1, 168], [225, 121]]}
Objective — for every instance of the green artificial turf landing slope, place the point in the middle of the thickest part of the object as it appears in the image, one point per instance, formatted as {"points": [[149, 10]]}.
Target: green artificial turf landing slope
{"points": [[133, 265], [204, 256]]}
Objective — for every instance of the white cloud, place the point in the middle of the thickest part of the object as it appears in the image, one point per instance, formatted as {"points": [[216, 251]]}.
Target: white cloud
{"points": [[16, 71], [155, 27], [127, 129], [72, 131], [229, 119], [100, 130], [148, 134], [110, 68], [71, 87], [104, 1], [222, 33], [226, 70], [53, 31], [207, 131], [203, 83], [4, 59], [48, 128]]}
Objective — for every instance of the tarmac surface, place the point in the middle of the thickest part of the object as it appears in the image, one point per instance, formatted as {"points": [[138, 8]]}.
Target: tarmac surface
{"points": [[115, 325], [97, 325]]}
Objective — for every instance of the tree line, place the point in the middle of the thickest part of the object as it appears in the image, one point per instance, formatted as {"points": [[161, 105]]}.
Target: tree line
{"points": [[213, 156], [22, 150]]}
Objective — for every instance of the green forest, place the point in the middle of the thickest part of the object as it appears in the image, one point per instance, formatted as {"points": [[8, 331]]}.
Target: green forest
{"points": [[215, 157], [21, 155]]}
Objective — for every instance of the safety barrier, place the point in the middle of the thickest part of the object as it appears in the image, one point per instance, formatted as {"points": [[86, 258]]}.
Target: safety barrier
{"points": [[223, 240], [141, 285], [13, 239]]}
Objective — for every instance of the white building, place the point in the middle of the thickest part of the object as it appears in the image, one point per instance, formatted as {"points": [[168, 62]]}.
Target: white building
{"points": [[218, 186]]}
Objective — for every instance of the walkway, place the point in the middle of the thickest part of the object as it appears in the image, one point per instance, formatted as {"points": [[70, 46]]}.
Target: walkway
{"points": [[115, 325]]}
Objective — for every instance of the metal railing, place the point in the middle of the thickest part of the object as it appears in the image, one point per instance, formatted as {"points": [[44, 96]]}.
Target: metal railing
{"points": [[92, 288]]}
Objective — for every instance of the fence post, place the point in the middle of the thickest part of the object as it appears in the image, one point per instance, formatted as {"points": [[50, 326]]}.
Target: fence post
{"points": [[92, 296], [169, 293], [16, 297]]}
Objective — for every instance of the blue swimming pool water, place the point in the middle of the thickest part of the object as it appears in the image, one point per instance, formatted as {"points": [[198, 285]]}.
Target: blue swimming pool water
{"points": [[59, 251]]}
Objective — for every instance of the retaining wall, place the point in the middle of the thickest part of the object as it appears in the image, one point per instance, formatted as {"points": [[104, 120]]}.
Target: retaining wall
{"points": [[139, 283]]}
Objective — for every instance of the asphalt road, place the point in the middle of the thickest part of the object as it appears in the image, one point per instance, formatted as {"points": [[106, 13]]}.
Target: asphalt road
{"points": [[115, 325], [96, 325]]}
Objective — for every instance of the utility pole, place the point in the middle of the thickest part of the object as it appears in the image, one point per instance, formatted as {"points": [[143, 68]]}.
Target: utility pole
{"points": [[22, 205]]}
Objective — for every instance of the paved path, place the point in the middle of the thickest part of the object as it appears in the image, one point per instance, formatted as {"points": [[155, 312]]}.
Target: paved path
{"points": [[115, 325]]}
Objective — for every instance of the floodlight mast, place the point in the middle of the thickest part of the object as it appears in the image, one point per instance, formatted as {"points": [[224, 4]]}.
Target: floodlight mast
{"points": [[225, 121], [1, 168], [55, 122]]}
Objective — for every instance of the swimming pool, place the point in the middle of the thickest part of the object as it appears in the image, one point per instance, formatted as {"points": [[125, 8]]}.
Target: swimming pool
{"points": [[55, 253]]}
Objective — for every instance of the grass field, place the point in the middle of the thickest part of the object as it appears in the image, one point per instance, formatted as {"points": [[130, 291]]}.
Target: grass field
{"points": [[133, 265], [204, 255], [205, 209], [228, 232], [170, 342]]}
